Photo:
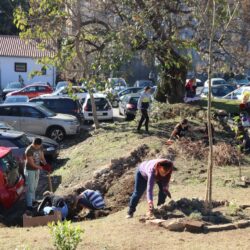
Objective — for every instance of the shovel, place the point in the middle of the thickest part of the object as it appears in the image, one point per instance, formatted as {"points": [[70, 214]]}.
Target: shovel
{"points": [[48, 168]]}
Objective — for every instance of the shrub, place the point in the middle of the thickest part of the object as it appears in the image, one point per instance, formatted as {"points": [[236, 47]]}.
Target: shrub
{"points": [[65, 235]]}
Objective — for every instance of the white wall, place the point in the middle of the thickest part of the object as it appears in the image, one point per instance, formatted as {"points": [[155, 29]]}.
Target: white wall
{"points": [[8, 74]]}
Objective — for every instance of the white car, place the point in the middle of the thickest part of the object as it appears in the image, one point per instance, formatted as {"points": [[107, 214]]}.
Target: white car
{"points": [[215, 81], [103, 108], [238, 94], [77, 91]]}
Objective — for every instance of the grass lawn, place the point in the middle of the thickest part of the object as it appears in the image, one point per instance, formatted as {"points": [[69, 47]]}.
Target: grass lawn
{"points": [[231, 106], [76, 164]]}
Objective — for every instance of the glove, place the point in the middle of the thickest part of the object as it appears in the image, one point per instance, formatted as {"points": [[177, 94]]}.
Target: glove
{"points": [[47, 168]]}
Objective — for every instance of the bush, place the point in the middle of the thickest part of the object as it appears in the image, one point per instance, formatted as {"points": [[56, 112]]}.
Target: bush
{"points": [[65, 235]]}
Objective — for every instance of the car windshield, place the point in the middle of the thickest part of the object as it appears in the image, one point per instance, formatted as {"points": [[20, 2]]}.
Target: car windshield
{"points": [[101, 104], [240, 77], [46, 111], [144, 84], [14, 85], [13, 99], [9, 167], [218, 82], [134, 100], [23, 141], [61, 84], [118, 83], [5, 126], [222, 91]]}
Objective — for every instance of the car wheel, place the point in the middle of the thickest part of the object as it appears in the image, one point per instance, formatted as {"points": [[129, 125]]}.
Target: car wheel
{"points": [[129, 117], [56, 133]]}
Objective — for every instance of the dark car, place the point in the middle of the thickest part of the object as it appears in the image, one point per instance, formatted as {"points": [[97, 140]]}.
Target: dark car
{"points": [[12, 86], [63, 105], [218, 91], [50, 147], [11, 181], [144, 83], [128, 105]]}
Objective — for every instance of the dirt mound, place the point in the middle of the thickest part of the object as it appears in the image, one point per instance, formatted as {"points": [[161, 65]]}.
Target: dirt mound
{"points": [[115, 180], [224, 154], [195, 209]]}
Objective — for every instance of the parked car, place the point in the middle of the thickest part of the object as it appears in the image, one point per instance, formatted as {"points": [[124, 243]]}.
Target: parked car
{"points": [[143, 83], [241, 80], [238, 94], [128, 91], [75, 92], [16, 98], [218, 91], [61, 84], [128, 105], [37, 119], [116, 85], [19, 141], [63, 105], [50, 147], [215, 81], [118, 97], [11, 181], [33, 90], [12, 86], [103, 108]]}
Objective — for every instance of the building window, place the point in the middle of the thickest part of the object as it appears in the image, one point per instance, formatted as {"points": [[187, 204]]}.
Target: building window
{"points": [[20, 67]]}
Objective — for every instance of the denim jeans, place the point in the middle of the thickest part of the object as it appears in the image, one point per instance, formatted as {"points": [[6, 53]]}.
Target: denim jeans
{"points": [[31, 179], [139, 189]]}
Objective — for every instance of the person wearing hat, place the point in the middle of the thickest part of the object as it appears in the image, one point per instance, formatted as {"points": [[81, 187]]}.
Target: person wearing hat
{"points": [[143, 106], [147, 174]]}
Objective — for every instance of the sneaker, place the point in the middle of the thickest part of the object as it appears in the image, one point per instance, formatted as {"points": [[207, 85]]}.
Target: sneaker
{"points": [[129, 216]]}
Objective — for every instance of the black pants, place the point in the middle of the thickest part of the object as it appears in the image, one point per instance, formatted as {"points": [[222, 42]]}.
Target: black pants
{"points": [[144, 117]]}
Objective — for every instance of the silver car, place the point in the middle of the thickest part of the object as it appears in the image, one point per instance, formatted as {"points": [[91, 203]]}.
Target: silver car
{"points": [[36, 119]]}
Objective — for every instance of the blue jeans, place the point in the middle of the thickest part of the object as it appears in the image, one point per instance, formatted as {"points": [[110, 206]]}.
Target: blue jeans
{"points": [[139, 189], [31, 180]]}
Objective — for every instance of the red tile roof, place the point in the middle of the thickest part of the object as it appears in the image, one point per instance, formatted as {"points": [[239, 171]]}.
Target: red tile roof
{"points": [[16, 47]]}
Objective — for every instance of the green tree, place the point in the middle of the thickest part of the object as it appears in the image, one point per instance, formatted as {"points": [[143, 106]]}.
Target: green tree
{"points": [[75, 32], [7, 8], [155, 27]]}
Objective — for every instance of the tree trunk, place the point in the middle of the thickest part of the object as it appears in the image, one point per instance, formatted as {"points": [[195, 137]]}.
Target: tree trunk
{"points": [[208, 199], [96, 122], [171, 88]]}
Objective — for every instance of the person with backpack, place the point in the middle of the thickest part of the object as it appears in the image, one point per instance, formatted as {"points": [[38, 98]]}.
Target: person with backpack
{"points": [[147, 174], [143, 106]]}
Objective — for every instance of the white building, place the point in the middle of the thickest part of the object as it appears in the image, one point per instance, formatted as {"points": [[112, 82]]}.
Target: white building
{"points": [[18, 58]]}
